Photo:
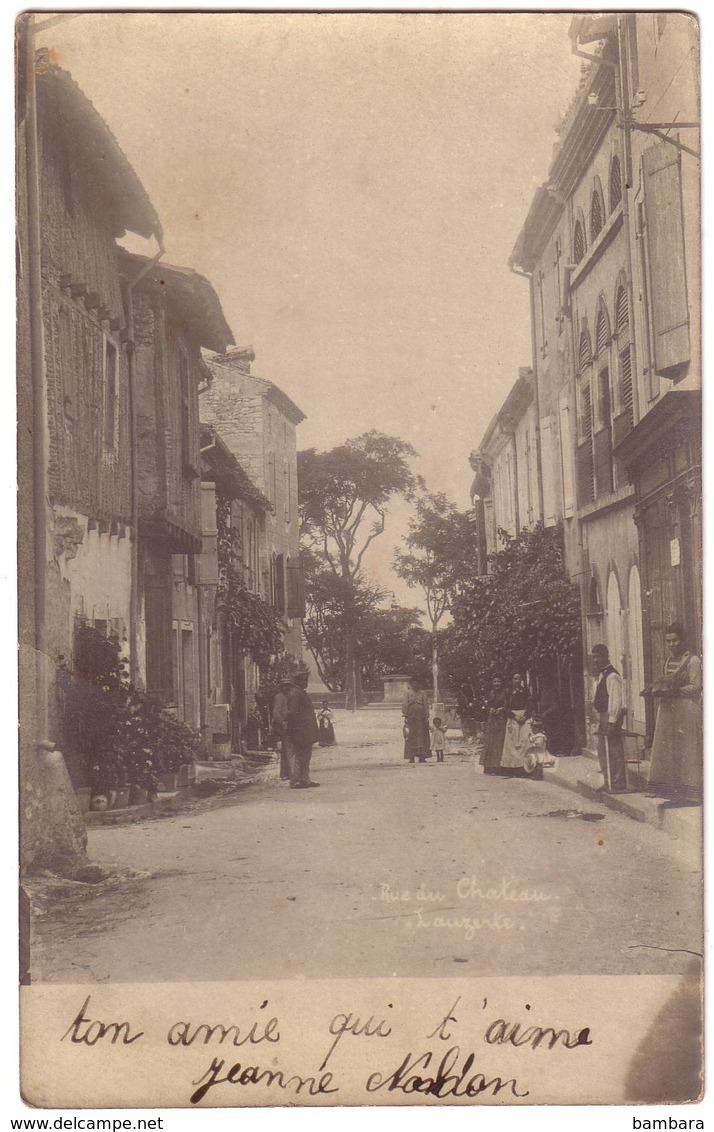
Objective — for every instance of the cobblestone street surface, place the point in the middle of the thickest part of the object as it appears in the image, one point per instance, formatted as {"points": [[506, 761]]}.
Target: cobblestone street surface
{"points": [[387, 869]]}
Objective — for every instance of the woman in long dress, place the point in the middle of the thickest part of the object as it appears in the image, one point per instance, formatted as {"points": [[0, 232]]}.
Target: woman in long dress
{"points": [[517, 729], [324, 722], [676, 769], [415, 710], [495, 729]]}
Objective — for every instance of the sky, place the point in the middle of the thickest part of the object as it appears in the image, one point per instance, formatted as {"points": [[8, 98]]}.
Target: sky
{"points": [[352, 185]]}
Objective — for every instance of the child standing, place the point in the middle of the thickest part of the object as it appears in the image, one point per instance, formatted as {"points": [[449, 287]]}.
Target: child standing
{"points": [[438, 739]]}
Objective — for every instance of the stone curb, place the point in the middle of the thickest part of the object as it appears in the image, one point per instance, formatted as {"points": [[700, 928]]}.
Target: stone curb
{"points": [[685, 824]]}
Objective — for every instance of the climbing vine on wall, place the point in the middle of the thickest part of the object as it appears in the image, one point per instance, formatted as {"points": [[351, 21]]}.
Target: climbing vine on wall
{"points": [[257, 629]]}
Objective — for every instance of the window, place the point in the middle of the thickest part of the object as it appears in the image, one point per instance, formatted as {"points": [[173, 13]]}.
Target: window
{"points": [[279, 588], [624, 350], [615, 183], [666, 282], [603, 444], [578, 243], [585, 467], [66, 361], [596, 214], [110, 393]]}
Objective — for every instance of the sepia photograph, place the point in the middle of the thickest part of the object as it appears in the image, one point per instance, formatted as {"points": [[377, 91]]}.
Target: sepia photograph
{"points": [[359, 451]]}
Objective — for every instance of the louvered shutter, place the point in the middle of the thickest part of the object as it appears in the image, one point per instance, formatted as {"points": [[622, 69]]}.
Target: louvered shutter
{"points": [[667, 265], [296, 594], [157, 609]]}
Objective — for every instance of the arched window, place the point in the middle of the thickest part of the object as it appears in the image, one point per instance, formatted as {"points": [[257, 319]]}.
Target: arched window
{"points": [[604, 468], [584, 352], [578, 242], [584, 456], [615, 183], [596, 215], [602, 333], [624, 350]]}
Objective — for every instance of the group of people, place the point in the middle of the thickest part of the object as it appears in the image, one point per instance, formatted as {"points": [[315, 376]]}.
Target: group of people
{"points": [[297, 728], [676, 765], [514, 742]]}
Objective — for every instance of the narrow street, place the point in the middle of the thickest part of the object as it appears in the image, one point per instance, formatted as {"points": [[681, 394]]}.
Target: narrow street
{"points": [[387, 869]]}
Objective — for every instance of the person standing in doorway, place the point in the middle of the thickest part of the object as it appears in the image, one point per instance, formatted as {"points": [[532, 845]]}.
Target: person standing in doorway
{"points": [[676, 760], [609, 706], [302, 731]]}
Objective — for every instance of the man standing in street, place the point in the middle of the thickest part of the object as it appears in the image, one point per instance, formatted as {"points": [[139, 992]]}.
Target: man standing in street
{"points": [[280, 717], [608, 704], [302, 731]]}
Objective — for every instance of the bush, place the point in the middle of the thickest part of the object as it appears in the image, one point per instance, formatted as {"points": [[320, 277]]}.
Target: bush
{"points": [[112, 733]]}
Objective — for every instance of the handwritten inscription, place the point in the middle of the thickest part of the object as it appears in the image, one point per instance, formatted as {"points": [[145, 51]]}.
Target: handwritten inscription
{"points": [[439, 1074], [444, 1083], [87, 1031], [343, 1024]]}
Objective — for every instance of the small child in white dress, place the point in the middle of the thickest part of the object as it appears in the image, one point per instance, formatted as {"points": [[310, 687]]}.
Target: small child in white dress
{"points": [[438, 739]]}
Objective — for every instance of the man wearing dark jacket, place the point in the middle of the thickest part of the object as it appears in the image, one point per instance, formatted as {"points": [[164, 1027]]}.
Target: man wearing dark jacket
{"points": [[302, 731]]}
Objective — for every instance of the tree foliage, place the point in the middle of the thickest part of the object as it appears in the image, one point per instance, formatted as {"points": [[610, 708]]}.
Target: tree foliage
{"points": [[523, 616], [256, 628], [343, 498]]}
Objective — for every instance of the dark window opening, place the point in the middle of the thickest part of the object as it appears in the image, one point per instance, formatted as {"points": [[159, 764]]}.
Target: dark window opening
{"points": [[110, 386]]}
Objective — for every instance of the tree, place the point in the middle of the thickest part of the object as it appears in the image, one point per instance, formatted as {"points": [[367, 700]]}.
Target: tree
{"points": [[394, 640], [438, 560], [523, 616], [343, 497]]}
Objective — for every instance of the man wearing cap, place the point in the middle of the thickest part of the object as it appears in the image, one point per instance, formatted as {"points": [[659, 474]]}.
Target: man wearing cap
{"points": [[302, 731], [607, 702]]}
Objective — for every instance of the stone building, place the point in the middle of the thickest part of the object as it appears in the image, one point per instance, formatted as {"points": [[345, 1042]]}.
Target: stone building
{"points": [[90, 197], [258, 423], [508, 479], [174, 313], [230, 678], [610, 249]]}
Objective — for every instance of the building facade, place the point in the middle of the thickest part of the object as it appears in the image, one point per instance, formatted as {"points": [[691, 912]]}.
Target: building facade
{"points": [[175, 312], [258, 422], [90, 197], [231, 506], [610, 249]]}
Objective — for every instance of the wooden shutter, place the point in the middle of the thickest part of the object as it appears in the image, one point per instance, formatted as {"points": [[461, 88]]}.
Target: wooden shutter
{"points": [[667, 265], [566, 456], [159, 661], [296, 594], [548, 468]]}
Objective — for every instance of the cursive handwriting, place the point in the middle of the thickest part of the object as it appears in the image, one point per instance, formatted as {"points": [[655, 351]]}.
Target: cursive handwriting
{"points": [[501, 1032], [348, 1024], [468, 924], [462, 1083], [186, 1033], [96, 1031], [253, 1075], [469, 888]]}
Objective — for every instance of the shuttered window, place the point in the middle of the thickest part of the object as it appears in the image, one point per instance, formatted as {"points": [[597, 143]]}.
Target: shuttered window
{"points": [[296, 592], [578, 242], [548, 467], [615, 183], [159, 653], [626, 391], [666, 257], [596, 217]]}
